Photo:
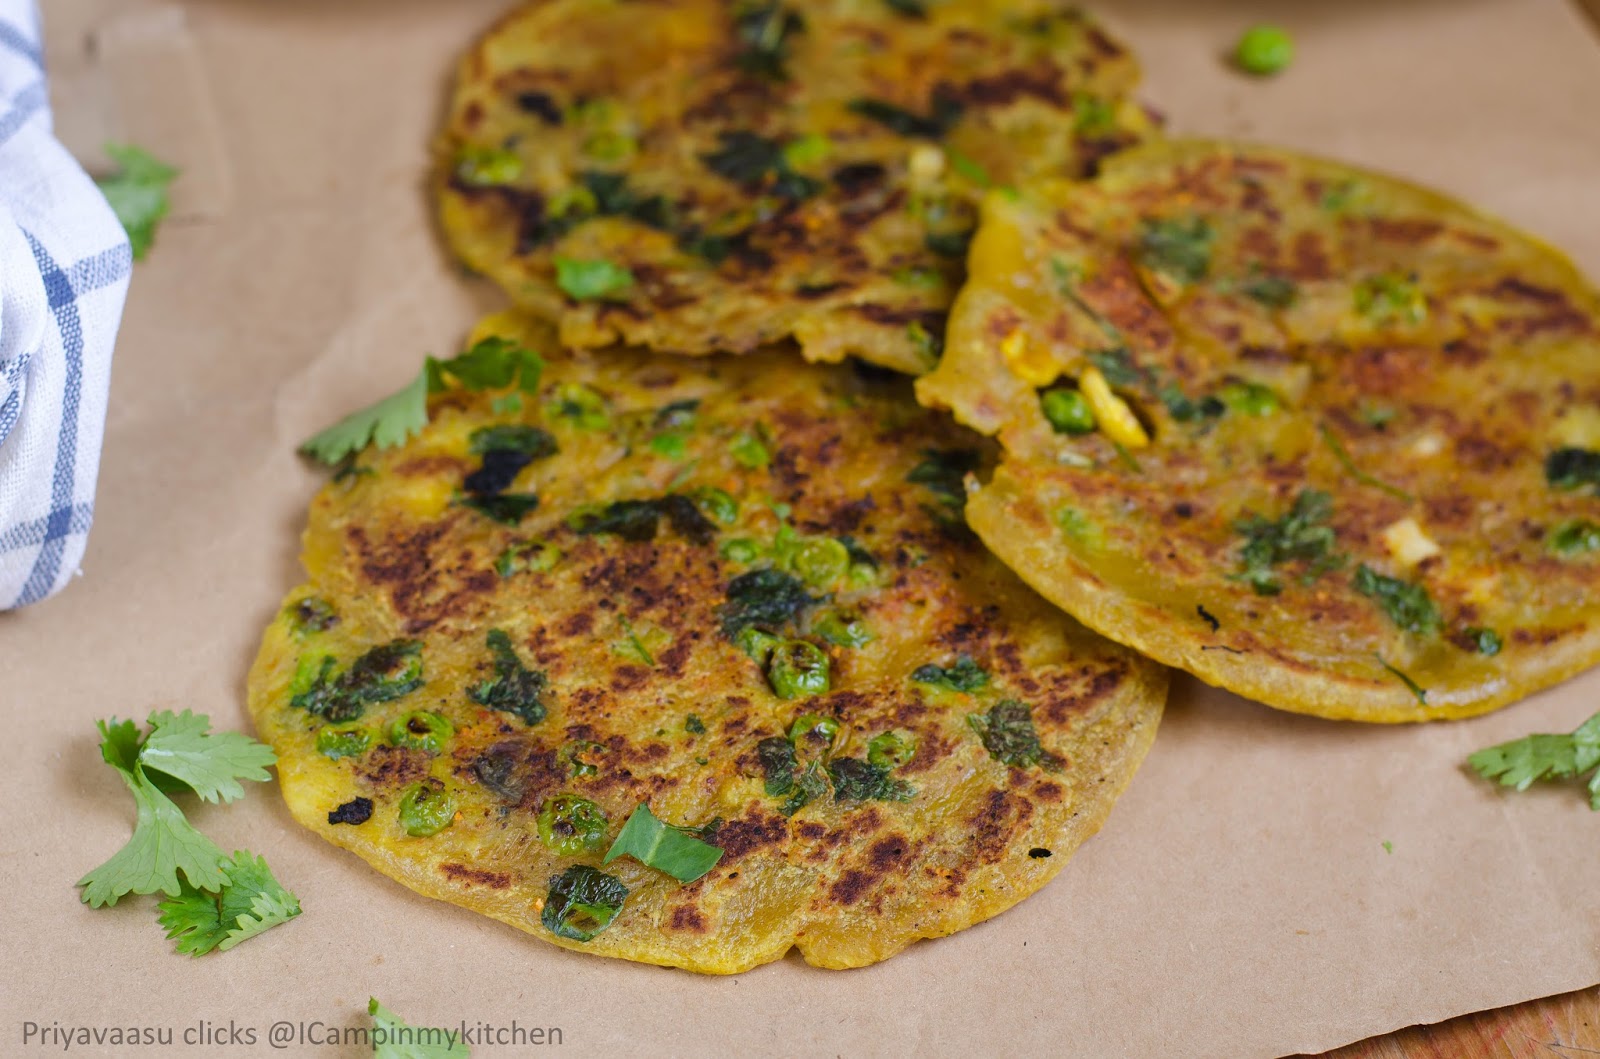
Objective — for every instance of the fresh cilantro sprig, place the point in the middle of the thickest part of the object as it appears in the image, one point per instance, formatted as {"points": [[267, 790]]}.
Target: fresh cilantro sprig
{"points": [[250, 902], [1522, 762], [218, 901], [494, 363], [137, 192], [392, 1038], [178, 755]]}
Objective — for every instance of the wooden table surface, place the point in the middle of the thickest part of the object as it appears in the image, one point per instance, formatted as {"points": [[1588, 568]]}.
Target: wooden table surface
{"points": [[1558, 1027]]}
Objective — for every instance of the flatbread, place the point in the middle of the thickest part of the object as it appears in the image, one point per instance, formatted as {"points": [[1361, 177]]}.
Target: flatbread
{"points": [[620, 643], [762, 170], [1372, 415]]}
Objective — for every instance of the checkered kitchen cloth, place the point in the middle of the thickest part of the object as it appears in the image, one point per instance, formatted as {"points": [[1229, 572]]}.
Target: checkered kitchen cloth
{"points": [[64, 266]]}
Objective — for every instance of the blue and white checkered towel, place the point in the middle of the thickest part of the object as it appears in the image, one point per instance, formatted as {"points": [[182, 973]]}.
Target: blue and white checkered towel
{"points": [[64, 266]]}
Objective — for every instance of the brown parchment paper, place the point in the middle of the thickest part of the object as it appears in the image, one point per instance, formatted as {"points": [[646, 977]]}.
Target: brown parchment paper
{"points": [[1240, 902]]}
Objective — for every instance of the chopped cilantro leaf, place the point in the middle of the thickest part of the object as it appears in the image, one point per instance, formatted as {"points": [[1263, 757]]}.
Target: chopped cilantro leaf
{"points": [[663, 847], [949, 244], [1573, 468], [137, 192], [1009, 736], [383, 674], [1406, 604], [944, 112], [778, 762], [393, 1039], [1180, 249], [514, 688], [1391, 297], [1302, 535], [750, 159], [943, 472], [582, 902], [694, 725], [855, 780], [508, 509], [1271, 291], [964, 675], [1118, 367], [810, 785], [1522, 762], [764, 31], [763, 599]]}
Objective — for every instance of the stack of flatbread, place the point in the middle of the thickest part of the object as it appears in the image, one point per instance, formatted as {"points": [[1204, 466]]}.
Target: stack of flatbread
{"points": [[659, 632]]}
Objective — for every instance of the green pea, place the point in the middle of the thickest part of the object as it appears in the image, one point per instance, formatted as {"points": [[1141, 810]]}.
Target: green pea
{"points": [[750, 451], [535, 556], [719, 504], [1485, 641], [421, 730], [813, 726], [822, 561], [1068, 411], [842, 630], [610, 146], [798, 668], [889, 750], [757, 644], [863, 575], [807, 150], [426, 809], [1249, 398], [487, 166], [336, 743], [1264, 50], [741, 550], [572, 753], [569, 825]]}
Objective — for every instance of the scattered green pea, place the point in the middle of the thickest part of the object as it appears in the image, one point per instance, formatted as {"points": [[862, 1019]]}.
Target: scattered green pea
{"points": [[813, 726], [336, 743], [1249, 398], [842, 630], [569, 825], [741, 550], [889, 750], [426, 809], [750, 451], [1068, 411], [421, 730], [1264, 50], [821, 561], [798, 668]]}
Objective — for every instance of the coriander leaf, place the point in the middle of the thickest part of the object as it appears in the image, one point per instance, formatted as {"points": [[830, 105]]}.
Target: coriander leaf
{"points": [[943, 472], [393, 1039], [778, 762], [163, 844], [1406, 604], [180, 746], [944, 113], [387, 423], [764, 31], [750, 159], [1177, 248], [855, 780], [1572, 468], [492, 363], [764, 599], [1009, 736], [1521, 762], [137, 192], [251, 902], [1302, 535], [514, 689], [964, 675], [119, 743], [663, 847], [582, 901], [382, 674], [591, 280], [193, 921]]}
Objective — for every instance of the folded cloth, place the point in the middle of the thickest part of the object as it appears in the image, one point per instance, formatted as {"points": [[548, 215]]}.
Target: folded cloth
{"points": [[64, 266]]}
